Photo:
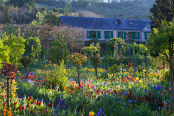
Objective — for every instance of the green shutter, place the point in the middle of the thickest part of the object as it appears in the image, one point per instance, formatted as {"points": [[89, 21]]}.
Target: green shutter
{"points": [[118, 34], [133, 35], [105, 35], [98, 35], [124, 35], [146, 35], [88, 34], [111, 34], [138, 35]]}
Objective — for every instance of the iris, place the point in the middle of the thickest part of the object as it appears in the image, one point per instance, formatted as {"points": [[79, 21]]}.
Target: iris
{"points": [[149, 85], [129, 101], [100, 113], [125, 93]]}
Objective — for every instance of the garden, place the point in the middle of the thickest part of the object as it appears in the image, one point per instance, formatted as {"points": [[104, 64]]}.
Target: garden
{"points": [[127, 80]]}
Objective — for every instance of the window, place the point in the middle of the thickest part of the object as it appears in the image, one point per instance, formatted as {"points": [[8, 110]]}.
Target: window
{"points": [[135, 35], [108, 34], [93, 34], [146, 35], [122, 34]]}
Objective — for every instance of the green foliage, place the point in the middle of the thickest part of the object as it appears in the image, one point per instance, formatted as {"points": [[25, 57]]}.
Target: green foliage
{"points": [[55, 52], [50, 18], [77, 59], [137, 48], [96, 59], [4, 53], [25, 60], [20, 3], [161, 10], [158, 42], [16, 47], [91, 49], [113, 68], [68, 6], [32, 47], [9, 29], [166, 77], [57, 77], [39, 18]]}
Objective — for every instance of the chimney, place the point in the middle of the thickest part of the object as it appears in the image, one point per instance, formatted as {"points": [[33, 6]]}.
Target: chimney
{"points": [[121, 18], [128, 18]]}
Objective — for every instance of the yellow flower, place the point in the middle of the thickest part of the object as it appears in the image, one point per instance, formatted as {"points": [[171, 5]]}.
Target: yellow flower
{"points": [[137, 78], [118, 86], [140, 81], [91, 113]]}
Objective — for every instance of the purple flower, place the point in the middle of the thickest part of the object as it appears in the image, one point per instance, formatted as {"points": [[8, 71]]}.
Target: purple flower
{"points": [[31, 73], [125, 93], [158, 87], [100, 113], [71, 79], [104, 82], [149, 85], [95, 88], [24, 72]]}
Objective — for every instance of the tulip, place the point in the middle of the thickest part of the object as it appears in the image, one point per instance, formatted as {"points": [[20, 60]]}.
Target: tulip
{"points": [[150, 93], [91, 113]]}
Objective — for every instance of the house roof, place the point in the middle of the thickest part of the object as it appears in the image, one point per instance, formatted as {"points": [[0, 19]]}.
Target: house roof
{"points": [[104, 23]]}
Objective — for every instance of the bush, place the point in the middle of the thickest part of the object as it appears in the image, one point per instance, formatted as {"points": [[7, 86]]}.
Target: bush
{"points": [[57, 77], [113, 68]]}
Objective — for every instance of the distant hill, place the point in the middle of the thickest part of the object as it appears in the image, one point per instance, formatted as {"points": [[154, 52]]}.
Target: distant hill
{"points": [[133, 9]]}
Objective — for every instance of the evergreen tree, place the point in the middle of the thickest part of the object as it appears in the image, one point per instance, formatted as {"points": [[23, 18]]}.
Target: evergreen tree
{"points": [[161, 10]]}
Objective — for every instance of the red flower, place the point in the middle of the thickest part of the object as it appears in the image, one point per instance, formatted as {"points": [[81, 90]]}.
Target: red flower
{"points": [[37, 80], [46, 111], [98, 91], [50, 104], [4, 104], [50, 85], [23, 107], [15, 103], [145, 89], [129, 89], [20, 107], [28, 105], [165, 91], [135, 97], [113, 78], [130, 92], [150, 93], [38, 76], [32, 102], [42, 79]]}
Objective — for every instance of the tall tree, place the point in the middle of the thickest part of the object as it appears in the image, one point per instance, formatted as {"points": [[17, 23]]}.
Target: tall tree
{"points": [[162, 40], [161, 10]]}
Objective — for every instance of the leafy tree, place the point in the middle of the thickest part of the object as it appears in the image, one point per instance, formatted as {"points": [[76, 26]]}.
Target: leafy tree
{"points": [[9, 29], [20, 3], [67, 37], [4, 53], [39, 18], [91, 50], [55, 52], [96, 59], [77, 59], [51, 18], [161, 10], [162, 40], [68, 6], [16, 46], [32, 47]]}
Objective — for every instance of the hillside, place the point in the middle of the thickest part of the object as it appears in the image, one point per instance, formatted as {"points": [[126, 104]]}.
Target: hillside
{"points": [[133, 9]]}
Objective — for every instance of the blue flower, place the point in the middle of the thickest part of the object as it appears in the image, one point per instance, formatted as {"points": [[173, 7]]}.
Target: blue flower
{"points": [[100, 113], [94, 88], [24, 72], [149, 85], [129, 101], [125, 93], [104, 82], [159, 108], [158, 87], [82, 86]]}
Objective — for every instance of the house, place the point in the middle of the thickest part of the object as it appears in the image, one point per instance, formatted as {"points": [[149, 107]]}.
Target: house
{"points": [[103, 29]]}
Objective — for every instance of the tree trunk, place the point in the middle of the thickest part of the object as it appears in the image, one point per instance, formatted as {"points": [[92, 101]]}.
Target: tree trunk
{"points": [[171, 68], [96, 71], [78, 72]]}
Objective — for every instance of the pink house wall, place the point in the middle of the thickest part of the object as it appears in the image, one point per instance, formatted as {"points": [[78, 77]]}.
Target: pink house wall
{"points": [[85, 34], [140, 36], [102, 35]]}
